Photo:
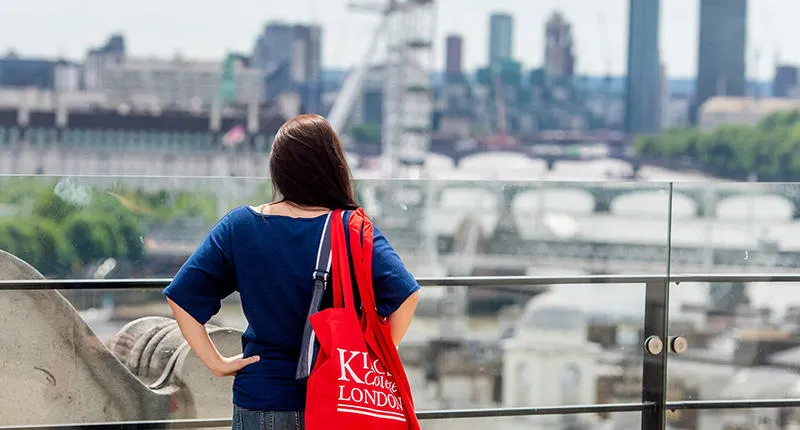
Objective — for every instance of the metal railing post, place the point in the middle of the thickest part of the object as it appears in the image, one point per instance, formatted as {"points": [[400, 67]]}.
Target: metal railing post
{"points": [[654, 364]]}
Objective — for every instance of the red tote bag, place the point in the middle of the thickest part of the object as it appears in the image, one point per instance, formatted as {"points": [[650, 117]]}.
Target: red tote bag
{"points": [[358, 381]]}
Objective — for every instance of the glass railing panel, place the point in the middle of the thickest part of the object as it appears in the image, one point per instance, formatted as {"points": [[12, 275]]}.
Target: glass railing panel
{"points": [[736, 228], [742, 341], [519, 228], [486, 347], [516, 346], [88, 356], [735, 419]]}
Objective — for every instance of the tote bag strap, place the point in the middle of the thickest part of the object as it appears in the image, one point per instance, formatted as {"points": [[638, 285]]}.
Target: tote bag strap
{"points": [[361, 244], [342, 282], [361, 232], [322, 269]]}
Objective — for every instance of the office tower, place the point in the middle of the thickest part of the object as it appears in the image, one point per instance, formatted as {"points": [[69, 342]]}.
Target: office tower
{"points": [[290, 57], [643, 84], [721, 53], [453, 55], [501, 37], [99, 60], [785, 81], [179, 82], [559, 59], [455, 91]]}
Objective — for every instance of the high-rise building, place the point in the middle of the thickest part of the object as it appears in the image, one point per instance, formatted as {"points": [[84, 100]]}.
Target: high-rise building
{"points": [[369, 108], [501, 37], [100, 59], [664, 96], [453, 55], [177, 82], [721, 54], [643, 84], [785, 81], [290, 57], [559, 59], [27, 72]]}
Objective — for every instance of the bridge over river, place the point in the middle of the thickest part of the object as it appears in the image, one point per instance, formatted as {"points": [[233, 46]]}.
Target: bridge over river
{"points": [[521, 256]]}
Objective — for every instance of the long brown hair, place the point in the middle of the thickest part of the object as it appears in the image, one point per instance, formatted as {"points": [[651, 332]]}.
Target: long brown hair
{"points": [[308, 167]]}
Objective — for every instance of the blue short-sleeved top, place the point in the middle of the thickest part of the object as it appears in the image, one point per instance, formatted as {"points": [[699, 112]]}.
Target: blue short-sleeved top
{"points": [[269, 260]]}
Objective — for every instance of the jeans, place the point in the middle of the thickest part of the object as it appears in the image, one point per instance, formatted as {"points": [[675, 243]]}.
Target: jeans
{"points": [[246, 419]]}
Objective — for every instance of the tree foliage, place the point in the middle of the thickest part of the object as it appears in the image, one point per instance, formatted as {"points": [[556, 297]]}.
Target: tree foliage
{"points": [[58, 235], [770, 150]]}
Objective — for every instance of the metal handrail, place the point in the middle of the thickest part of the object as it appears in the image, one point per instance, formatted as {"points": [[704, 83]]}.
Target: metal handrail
{"points": [[732, 404], [422, 415], [466, 281], [444, 414]]}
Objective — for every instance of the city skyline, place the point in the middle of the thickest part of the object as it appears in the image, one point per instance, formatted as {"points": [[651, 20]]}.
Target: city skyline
{"points": [[152, 30]]}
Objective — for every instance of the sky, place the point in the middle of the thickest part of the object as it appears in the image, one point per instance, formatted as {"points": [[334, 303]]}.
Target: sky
{"points": [[210, 28]]}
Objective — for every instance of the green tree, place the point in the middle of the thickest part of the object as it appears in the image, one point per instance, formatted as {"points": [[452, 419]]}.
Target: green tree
{"points": [[50, 206], [18, 191], [39, 242], [649, 146], [54, 256], [132, 236], [90, 240], [771, 150], [18, 239], [779, 121]]}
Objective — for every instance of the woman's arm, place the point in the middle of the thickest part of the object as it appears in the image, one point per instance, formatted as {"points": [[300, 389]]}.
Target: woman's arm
{"points": [[401, 318], [197, 337]]}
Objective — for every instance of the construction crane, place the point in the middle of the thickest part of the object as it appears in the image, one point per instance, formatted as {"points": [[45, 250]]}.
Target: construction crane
{"points": [[407, 27]]}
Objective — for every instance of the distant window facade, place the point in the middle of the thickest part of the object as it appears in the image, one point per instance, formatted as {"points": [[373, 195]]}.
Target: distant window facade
{"points": [[20, 73]]}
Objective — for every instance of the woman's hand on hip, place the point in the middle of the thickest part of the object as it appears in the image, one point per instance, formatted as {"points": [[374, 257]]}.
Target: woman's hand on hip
{"points": [[229, 366], [197, 337]]}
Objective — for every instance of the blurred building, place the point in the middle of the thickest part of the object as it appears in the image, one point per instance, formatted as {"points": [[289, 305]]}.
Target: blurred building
{"points": [[453, 57], [18, 72], [664, 97], [369, 108], [559, 58], [676, 112], [177, 82], [785, 81], [721, 53], [643, 94], [99, 59], [502, 95], [457, 112], [501, 37], [456, 107], [722, 110], [289, 57], [68, 76], [550, 350]]}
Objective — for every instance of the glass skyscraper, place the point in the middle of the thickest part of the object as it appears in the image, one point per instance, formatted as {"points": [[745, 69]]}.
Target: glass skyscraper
{"points": [[721, 54], [501, 37], [643, 95]]}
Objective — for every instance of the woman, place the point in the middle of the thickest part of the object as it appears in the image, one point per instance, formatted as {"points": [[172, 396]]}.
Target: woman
{"points": [[267, 253]]}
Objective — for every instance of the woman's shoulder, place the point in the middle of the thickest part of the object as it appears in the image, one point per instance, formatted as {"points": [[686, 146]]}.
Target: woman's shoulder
{"points": [[237, 214]]}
